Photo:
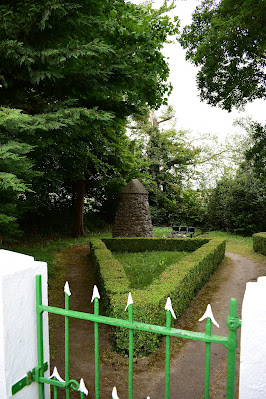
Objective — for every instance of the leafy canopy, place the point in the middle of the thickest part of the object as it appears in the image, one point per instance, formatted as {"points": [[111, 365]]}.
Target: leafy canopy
{"points": [[16, 175], [256, 154], [227, 41], [77, 70]]}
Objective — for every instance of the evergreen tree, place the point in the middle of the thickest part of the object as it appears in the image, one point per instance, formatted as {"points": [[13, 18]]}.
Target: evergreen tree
{"points": [[15, 180], [80, 68]]}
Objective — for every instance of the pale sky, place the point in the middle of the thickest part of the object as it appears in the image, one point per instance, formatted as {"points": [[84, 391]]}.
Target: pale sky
{"points": [[191, 113]]}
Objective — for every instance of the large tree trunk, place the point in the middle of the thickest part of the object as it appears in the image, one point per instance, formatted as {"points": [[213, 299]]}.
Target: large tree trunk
{"points": [[79, 207]]}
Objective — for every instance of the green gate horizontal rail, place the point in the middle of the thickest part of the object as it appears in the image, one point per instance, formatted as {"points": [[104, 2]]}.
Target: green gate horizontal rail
{"points": [[151, 328]]}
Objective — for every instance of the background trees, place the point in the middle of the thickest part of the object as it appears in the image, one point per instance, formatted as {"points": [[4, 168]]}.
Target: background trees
{"points": [[170, 168], [79, 69], [256, 154], [73, 73], [238, 203], [227, 40]]}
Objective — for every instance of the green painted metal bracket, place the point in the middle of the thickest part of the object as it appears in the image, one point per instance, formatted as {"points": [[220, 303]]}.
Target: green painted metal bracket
{"points": [[30, 377]]}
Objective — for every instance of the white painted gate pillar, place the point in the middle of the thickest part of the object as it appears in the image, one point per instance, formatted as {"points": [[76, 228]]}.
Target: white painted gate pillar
{"points": [[18, 331], [252, 383]]}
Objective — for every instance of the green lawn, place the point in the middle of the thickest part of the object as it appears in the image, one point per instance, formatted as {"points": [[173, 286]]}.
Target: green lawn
{"points": [[45, 249], [143, 267]]}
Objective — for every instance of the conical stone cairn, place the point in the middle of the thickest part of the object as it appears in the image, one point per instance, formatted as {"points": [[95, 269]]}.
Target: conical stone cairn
{"points": [[133, 217]]}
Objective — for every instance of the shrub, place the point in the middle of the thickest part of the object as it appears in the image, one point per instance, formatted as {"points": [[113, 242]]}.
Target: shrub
{"points": [[141, 244], [179, 281], [259, 243]]}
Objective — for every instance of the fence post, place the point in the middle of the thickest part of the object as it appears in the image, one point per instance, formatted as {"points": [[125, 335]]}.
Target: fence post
{"points": [[18, 330], [252, 382]]}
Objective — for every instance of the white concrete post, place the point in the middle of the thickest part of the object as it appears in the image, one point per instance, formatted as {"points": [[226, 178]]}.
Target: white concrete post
{"points": [[18, 331], [252, 382]]}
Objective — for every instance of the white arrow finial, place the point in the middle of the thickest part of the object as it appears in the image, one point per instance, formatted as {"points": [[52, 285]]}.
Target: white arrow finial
{"points": [[95, 293], [129, 301], [67, 289], [82, 387], [209, 314], [114, 393], [168, 306], [56, 375]]}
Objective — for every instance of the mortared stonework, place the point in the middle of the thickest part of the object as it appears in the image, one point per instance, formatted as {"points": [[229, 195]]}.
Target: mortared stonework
{"points": [[133, 217]]}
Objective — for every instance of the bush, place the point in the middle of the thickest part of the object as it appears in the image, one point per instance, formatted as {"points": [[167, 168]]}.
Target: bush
{"points": [[179, 281], [141, 244], [259, 243]]}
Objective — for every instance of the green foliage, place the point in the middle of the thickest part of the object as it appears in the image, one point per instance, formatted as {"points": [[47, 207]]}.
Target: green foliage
{"points": [[74, 71], [238, 204], [227, 41], [180, 167], [259, 243], [152, 244], [180, 281], [170, 157], [15, 180], [256, 154], [44, 249]]}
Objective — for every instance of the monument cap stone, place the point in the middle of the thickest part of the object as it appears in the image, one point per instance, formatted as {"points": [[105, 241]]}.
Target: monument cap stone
{"points": [[134, 186]]}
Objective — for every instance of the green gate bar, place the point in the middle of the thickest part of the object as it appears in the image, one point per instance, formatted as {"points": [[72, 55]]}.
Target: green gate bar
{"points": [[167, 356], [233, 323], [130, 352], [229, 342], [207, 359], [67, 342], [40, 372], [96, 349]]}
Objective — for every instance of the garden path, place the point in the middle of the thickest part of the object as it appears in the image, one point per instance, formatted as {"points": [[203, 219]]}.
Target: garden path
{"points": [[187, 357]]}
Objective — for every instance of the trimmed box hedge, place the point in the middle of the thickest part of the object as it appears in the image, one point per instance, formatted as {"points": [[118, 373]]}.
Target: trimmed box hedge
{"points": [[153, 244], [180, 281], [259, 243]]}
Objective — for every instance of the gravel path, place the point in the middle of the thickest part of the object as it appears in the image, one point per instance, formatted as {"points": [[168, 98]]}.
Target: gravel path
{"points": [[187, 357], [228, 282]]}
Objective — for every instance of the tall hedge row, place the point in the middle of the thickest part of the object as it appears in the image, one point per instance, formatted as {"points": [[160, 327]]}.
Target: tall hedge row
{"points": [[179, 281]]}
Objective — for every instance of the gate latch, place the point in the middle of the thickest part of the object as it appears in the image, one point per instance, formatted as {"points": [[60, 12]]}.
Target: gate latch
{"points": [[30, 377]]}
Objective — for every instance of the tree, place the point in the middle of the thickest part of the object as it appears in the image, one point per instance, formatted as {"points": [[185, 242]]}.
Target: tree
{"points": [[14, 166], [168, 156], [80, 68], [16, 176], [256, 154], [179, 167], [238, 204], [227, 41]]}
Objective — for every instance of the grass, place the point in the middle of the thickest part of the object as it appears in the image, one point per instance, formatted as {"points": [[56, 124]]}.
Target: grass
{"points": [[143, 267], [46, 248], [238, 244], [160, 232]]}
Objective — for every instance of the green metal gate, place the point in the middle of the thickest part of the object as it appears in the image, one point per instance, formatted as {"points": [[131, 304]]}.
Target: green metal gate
{"points": [[55, 381]]}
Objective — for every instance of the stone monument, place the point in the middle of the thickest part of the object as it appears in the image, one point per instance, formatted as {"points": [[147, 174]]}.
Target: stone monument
{"points": [[133, 217]]}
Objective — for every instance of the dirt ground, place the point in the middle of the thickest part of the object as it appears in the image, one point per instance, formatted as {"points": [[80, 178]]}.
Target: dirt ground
{"points": [[187, 357]]}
